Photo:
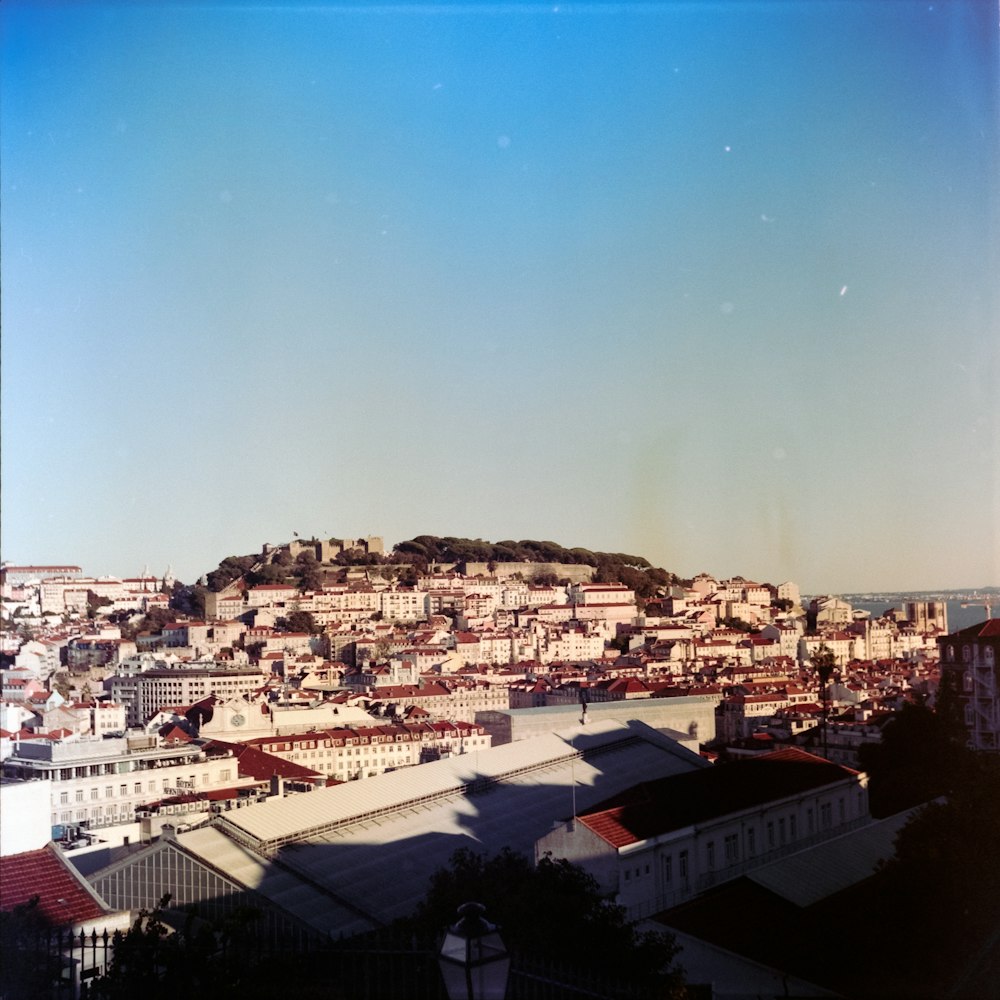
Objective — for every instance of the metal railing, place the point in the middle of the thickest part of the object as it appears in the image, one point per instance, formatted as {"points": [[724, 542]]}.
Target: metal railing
{"points": [[52, 964], [42, 964]]}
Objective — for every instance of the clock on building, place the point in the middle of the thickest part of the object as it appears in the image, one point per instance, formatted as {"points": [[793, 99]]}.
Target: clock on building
{"points": [[237, 720]]}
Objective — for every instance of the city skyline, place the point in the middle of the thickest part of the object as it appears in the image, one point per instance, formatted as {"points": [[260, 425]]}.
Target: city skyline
{"points": [[713, 284]]}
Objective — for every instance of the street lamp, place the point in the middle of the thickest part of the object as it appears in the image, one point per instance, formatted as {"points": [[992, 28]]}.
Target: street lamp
{"points": [[473, 959], [823, 661]]}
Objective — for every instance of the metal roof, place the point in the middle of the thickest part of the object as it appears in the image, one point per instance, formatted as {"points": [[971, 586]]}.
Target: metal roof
{"points": [[383, 864], [307, 903], [833, 865], [617, 707], [345, 857], [274, 822]]}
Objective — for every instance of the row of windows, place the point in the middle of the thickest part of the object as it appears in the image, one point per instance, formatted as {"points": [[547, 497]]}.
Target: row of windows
{"points": [[151, 787], [967, 654], [780, 831], [319, 754]]}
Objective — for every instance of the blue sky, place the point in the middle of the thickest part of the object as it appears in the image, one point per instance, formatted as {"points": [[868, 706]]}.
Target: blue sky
{"points": [[712, 283]]}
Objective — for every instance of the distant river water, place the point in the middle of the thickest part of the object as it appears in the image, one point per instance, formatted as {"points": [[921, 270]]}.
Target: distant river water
{"points": [[958, 617]]}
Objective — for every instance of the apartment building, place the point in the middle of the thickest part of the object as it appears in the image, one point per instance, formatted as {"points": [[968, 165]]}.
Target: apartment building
{"points": [[86, 651], [70, 593], [601, 593], [86, 718], [403, 605], [569, 644], [365, 752], [971, 656], [666, 841], [180, 684], [18, 575], [101, 782], [844, 646], [741, 714]]}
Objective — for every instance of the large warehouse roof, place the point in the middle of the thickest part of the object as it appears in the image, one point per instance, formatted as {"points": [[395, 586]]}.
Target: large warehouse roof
{"points": [[281, 887], [369, 847], [274, 822]]}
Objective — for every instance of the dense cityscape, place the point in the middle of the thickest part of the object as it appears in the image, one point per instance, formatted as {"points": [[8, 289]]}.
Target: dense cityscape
{"points": [[707, 292], [677, 740]]}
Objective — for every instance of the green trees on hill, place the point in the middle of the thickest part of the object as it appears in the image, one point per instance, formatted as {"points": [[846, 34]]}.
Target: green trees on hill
{"points": [[231, 568], [634, 571], [299, 621], [449, 549], [420, 552]]}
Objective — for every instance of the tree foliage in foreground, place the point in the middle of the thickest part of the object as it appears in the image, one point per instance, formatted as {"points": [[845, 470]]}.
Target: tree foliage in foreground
{"points": [[151, 959], [922, 755], [553, 913], [944, 879]]}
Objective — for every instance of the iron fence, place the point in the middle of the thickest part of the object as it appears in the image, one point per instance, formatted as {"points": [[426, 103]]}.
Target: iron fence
{"points": [[44, 964]]}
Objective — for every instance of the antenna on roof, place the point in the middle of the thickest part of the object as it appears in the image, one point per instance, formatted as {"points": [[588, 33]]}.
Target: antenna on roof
{"points": [[572, 772]]}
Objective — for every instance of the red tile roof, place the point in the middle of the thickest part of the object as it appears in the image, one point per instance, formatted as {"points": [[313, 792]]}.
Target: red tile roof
{"points": [[63, 897], [989, 629], [259, 765]]}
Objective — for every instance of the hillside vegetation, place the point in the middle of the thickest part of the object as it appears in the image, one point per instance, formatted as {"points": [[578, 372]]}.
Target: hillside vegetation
{"points": [[419, 553]]}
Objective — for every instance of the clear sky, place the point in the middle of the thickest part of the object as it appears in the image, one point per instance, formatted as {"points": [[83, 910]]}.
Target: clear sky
{"points": [[714, 283]]}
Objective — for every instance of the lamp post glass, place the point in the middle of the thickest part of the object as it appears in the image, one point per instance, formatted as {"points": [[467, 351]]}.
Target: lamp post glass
{"points": [[473, 959]]}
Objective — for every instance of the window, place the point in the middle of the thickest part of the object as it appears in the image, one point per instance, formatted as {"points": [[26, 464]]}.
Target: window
{"points": [[770, 834], [810, 820], [732, 848], [792, 825], [668, 869], [682, 865], [93, 793], [710, 854], [781, 830], [124, 789], [825, 816], [751, 841], [79, 795]]}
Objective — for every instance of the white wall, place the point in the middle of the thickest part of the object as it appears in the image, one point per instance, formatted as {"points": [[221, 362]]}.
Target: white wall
{"points": [[24, 806]]}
